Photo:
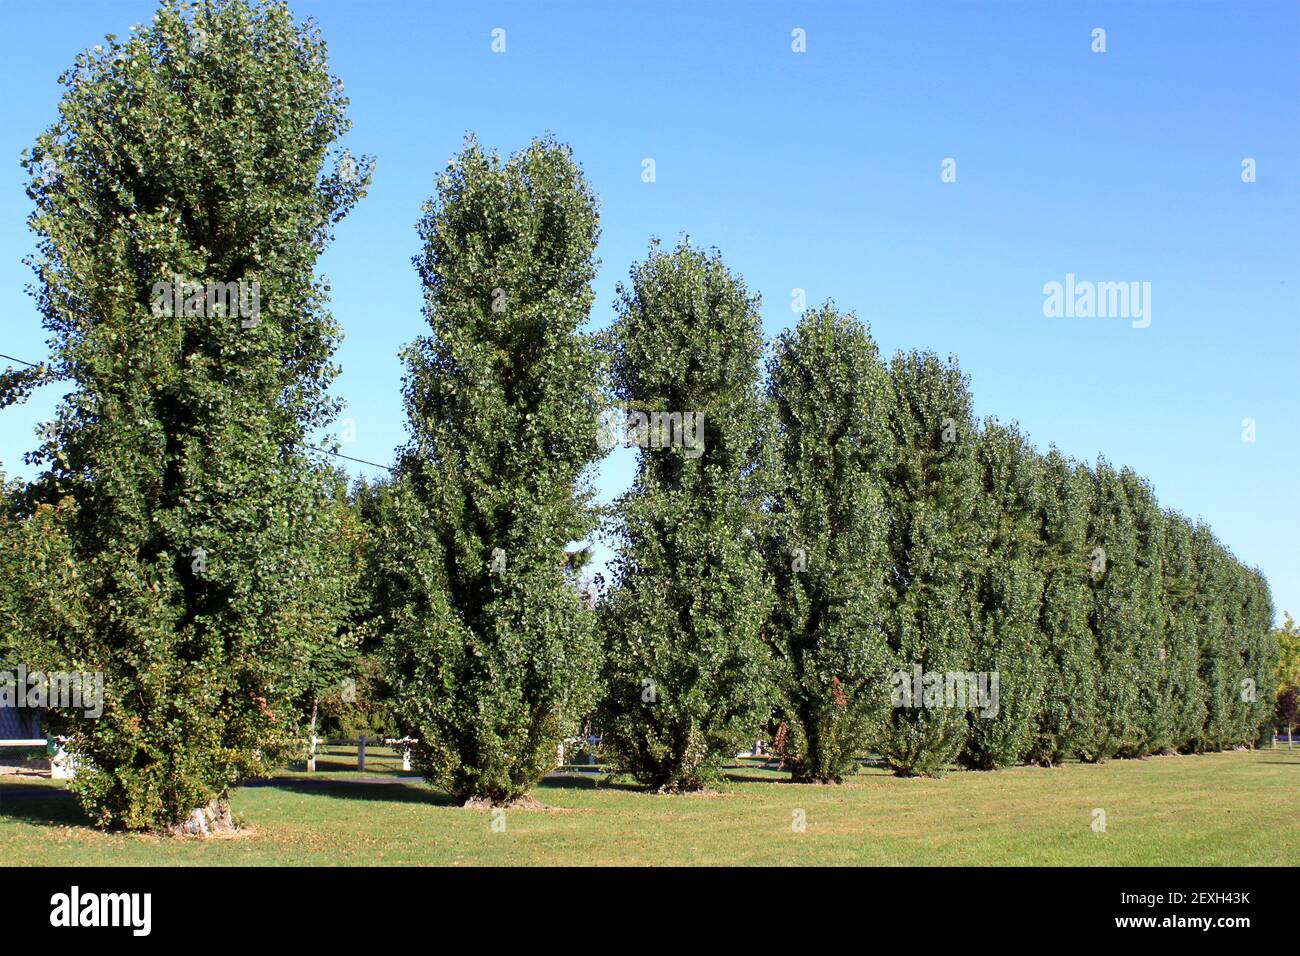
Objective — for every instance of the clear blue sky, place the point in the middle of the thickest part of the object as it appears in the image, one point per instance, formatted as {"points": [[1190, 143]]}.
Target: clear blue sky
{"points": [[821, 171]]}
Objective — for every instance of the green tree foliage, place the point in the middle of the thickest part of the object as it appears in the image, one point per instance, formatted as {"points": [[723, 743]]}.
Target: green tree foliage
{"points": [[1287, 638], [1119, 621], [1219, 665], [932, 493], [826, 545], [179, 539], [336, 597], [1147, 634], [1011, 584], [1181, 642], [176, 502], [493, 652], [1236, 621], [360, 705], [1260, 655], [687, 669], [375, 504], [1069, 721], [1285, 711]]}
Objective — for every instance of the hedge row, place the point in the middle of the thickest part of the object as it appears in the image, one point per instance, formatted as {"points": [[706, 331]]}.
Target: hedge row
{"points": [[853, 562], [792, 544]]}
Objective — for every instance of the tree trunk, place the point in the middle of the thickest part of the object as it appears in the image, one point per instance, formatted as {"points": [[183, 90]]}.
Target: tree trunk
{"points": [[206, 821], [311, 753]]}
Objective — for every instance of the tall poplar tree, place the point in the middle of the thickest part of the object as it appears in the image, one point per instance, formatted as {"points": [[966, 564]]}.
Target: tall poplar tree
{"points": [[827, 544], [1069, 723], [687, 669], [182, 199], [1254, 647], [1217, 670], [932, 492], [1261, 657], [1181, 646], [1116, 614], [1011, 583], [1147, 634], [493, 651]]}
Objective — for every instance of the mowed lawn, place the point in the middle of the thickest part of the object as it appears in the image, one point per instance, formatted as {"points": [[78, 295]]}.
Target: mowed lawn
{"points": [[1238, 808]]}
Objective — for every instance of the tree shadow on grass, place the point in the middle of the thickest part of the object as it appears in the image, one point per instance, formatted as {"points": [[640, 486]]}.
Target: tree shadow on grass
{"points": [[394, 792], [592, 782], [755, 776], [43, 807], [573, 782], [376, 768], [48, 807]]}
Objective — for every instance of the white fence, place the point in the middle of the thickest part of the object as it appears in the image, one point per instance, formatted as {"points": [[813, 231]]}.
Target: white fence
{"points": [[401, 743], [61, 767]]}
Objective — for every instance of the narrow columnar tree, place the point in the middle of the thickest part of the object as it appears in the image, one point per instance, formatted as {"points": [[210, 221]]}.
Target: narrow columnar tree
{"points": [[1118, 619], [1217, 672], [1236, 625], [1182, 651], [826, 545], [687, 669], [182, 199], [1259, 654], [932, 492], [1011, 582], [1151, 645], [493, 651], [1069, 723]]}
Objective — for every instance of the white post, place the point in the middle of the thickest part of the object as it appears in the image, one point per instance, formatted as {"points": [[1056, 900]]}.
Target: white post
{"points": [[361, 754], [62, 766], [406, 758], [311, 756]]}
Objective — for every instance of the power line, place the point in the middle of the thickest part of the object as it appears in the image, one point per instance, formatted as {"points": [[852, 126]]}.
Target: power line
{"points": [[18, 360], [362, 461], [324, 451]]}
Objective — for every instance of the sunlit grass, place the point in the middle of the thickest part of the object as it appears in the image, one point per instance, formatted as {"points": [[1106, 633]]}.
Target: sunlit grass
{"points": [[1216, 809]]}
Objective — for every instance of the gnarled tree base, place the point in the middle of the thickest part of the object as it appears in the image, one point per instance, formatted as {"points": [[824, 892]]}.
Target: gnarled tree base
{"points": [[525, 802], [685, 790], [206, 821]]}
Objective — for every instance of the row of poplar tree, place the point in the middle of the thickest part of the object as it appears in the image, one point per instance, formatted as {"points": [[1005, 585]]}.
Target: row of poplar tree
{"points": [[846, 518]]}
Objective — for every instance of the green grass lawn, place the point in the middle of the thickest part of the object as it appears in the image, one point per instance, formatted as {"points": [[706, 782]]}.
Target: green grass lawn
{"points": [[1216, 809]]}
